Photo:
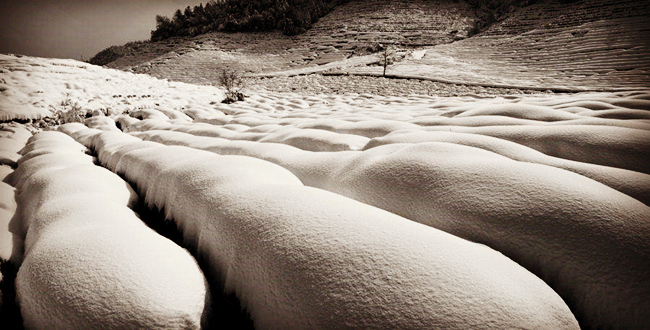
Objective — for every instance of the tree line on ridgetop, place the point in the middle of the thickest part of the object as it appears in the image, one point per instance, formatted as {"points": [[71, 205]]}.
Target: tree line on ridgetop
{"points": [[289, 16]]}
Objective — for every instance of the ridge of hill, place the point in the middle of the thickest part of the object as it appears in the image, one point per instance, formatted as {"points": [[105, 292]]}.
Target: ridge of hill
{"points": [[550, 44], [338, 35]]}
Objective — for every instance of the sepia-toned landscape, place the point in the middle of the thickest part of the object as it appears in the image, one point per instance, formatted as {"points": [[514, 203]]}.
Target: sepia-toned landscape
{"points": [[394, 164]]}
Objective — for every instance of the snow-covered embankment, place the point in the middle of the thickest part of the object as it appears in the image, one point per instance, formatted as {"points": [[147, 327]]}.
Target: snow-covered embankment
{"points": [[301, 257], [89, 261]]}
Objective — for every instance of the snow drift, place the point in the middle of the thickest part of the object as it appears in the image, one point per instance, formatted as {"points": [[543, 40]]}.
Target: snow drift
{"points": [[89, 261], [552, 221], [300, 257]]}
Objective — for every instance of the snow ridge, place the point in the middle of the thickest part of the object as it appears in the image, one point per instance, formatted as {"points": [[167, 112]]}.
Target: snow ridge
{"points": [[89, 261], [300, 257], [492, 191]]}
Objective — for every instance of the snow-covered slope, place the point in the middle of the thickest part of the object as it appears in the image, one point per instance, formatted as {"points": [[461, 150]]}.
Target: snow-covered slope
{"points": [[311, 207], [32, 88]]}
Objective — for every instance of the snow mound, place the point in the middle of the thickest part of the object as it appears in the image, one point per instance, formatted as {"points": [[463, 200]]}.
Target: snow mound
{"points": [[89, 261], [13, 137], [10, 244], [596, 144], [317, 140], [495, 192], [523, 111], [634, 184], [565, 218], [101, 122], [301, 257]]}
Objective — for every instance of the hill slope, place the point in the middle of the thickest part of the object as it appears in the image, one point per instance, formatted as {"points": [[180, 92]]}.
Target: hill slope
{"points": [[336, 36], [552, 44], [598, 44]]}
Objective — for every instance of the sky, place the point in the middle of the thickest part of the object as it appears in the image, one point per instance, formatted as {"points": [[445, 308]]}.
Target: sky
{"points": [[78, 29]]}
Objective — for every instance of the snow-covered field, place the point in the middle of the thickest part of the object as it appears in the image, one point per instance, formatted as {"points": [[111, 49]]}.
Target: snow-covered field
{"points": [[322, 211]]}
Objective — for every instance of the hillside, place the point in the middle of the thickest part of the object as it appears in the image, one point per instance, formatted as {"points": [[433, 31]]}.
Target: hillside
{"points": [[551, 44], [479, 211], [598, 44], [335, 37]]}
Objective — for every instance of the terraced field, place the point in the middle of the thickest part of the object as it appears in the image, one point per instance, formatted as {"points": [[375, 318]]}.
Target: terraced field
{"points": [[474, 196], [558, 45], [336, 37]]}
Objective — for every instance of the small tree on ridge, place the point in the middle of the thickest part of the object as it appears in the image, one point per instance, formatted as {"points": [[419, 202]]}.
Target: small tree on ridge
{"points": [[386, 57]]}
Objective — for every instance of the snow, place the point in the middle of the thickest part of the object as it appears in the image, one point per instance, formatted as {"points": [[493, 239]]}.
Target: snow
{"points": [[32, 87], [89, 261], [632, 183], [8, 240], [620, 147], [464, 190], [346, 210], [101, 122], [301, 257], [13, 138]]}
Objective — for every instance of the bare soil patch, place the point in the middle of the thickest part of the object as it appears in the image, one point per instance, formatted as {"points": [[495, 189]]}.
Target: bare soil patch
{"points": [[322, 84]]}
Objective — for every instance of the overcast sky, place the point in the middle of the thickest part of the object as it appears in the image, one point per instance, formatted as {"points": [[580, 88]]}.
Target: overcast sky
{"points": [[78, 28]]}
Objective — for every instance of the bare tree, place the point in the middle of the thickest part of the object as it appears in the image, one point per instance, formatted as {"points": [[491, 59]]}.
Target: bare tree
{"points": [[386, 57]]}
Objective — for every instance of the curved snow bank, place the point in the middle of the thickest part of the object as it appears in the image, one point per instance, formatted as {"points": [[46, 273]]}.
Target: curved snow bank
{"points": [[49, 142], [10, 245], [603, 145], [312, 168], [306, 139], [89, 261], [300, 257], [632, 183], [316, 139], [588, 241], [101, 122], [368, 128], [512, 110], [13, 137]]}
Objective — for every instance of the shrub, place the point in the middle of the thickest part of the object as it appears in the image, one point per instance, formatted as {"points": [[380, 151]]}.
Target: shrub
{"points": [[67, 111], [233, 82]]}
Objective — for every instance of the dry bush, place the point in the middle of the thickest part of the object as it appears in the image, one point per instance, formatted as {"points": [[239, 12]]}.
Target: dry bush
{"points": [[67, 111], [233, 82]]}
